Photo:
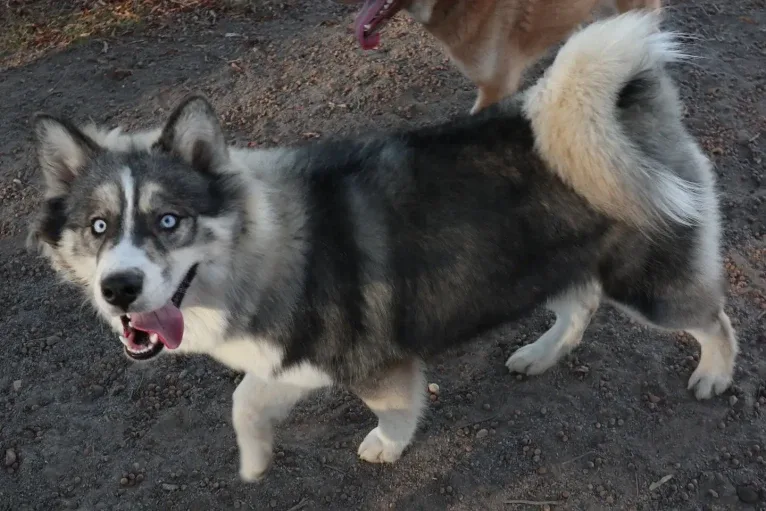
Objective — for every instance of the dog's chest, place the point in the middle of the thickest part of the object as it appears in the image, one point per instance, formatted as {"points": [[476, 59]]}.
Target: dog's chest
{"points": [[204, 333]]}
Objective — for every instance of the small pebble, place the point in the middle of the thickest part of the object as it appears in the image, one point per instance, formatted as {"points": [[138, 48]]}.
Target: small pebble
{"points": [[124, 481], [17, 385], [733, 400], [433, 388], [481, 434], [169, 487], [747, 494], [713, 493], [10, 457]]}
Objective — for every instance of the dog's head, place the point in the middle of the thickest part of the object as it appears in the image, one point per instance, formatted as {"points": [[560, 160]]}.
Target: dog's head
{"points": [[376, 13], [132, 219]]}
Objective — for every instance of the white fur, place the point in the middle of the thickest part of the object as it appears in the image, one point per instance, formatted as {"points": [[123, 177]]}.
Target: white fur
{"points": [[258, 405]]}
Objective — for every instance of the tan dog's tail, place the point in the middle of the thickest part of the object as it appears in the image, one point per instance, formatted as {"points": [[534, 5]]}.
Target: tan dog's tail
{"points": [[591, 113]]}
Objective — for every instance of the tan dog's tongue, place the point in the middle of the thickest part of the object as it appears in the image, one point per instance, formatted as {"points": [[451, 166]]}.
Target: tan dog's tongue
{"points": [[167, 323]]}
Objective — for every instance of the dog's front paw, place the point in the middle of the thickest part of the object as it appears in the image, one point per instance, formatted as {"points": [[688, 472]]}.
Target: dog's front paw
{"points": [[534, 358], [708, 382], [255, 461], [376, 448]]}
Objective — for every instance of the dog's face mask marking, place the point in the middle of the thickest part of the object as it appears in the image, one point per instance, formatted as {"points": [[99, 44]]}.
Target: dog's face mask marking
{"points": [[132, 226]]}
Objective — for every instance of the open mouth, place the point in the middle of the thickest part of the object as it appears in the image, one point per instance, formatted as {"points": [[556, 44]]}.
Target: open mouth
{"points": [[372, 18], [145, 334]]}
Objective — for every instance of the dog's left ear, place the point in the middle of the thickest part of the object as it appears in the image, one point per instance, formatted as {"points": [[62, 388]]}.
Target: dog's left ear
{"points": [[194, 134]]}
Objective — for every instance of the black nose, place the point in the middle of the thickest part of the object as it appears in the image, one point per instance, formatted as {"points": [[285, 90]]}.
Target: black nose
{"points": [[122, 289]]}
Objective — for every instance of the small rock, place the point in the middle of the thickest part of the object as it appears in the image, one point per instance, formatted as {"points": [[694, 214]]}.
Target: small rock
{"points": [[654, 399], [10, 457], [747, 494], [481, 434], [433, 388], [542, 471], [52, 340], [169, 487], [713, 493], [17, 385], [733, 400]]}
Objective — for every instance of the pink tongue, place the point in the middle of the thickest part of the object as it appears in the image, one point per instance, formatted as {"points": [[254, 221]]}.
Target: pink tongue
{"points": [[167, 323], [365, 16]]}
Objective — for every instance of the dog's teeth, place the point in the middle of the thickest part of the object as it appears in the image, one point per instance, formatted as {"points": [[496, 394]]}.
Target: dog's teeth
{"points": [[154, 338], [367, 27], [124, 341]]}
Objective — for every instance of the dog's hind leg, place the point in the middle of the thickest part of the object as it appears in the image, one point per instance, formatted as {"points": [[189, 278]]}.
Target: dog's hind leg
{"points": [[258, 405], [397, 397], [574, 310], [692, 302]]}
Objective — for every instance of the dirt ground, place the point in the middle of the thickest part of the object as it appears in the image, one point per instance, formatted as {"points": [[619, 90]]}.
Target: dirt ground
{"points": [[611, 427]]}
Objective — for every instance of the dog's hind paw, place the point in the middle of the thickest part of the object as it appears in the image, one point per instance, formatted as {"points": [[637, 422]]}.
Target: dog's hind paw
{"points": [[707, 384], [532, 359], [376, 448]]}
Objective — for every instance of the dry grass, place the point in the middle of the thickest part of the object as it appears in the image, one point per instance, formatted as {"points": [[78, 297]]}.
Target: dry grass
{"points": [[33, 27]]}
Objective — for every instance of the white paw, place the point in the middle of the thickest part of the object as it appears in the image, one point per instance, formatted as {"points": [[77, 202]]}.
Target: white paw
{"points": [[375, 448], [708, 382], [535, 358], [255, 461]]}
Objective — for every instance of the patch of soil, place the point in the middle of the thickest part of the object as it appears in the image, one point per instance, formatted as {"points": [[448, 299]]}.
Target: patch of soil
{"points": [[81, 428]]}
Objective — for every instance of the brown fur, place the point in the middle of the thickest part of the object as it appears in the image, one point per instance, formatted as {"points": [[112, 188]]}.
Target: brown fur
{"points": [[494, 41]]}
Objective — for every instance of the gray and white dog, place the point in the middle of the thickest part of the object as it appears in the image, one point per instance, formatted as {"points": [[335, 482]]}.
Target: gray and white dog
{"points": [[348, 262]]}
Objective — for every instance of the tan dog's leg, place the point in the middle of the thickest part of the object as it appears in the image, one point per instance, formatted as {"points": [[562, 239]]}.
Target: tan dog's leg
{"points": [[488, 95], [397, 397], [627, 5], [505, 84]]}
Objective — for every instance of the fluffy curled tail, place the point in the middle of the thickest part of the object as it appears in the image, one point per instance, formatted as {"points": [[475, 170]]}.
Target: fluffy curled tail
{"points": [[591, 113]]}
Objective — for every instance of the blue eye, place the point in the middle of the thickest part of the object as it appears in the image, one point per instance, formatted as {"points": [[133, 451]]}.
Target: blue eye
{"points": [[98, 226], [168, 222]]}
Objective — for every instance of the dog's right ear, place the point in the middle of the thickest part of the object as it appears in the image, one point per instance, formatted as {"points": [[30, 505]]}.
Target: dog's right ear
{"points": [[63, 151]]}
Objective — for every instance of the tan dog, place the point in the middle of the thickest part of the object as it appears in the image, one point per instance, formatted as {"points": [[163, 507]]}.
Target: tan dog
{"points": [[492, 41]]}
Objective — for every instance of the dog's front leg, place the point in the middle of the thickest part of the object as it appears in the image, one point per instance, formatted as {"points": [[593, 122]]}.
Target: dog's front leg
{"points": [[258, 405], [397, 397]]}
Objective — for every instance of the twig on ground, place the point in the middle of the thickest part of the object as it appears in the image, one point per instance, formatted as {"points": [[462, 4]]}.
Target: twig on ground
{"points": [[659, 483], [577, 458], [534, 502], [469, 424], [299, 505]]}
